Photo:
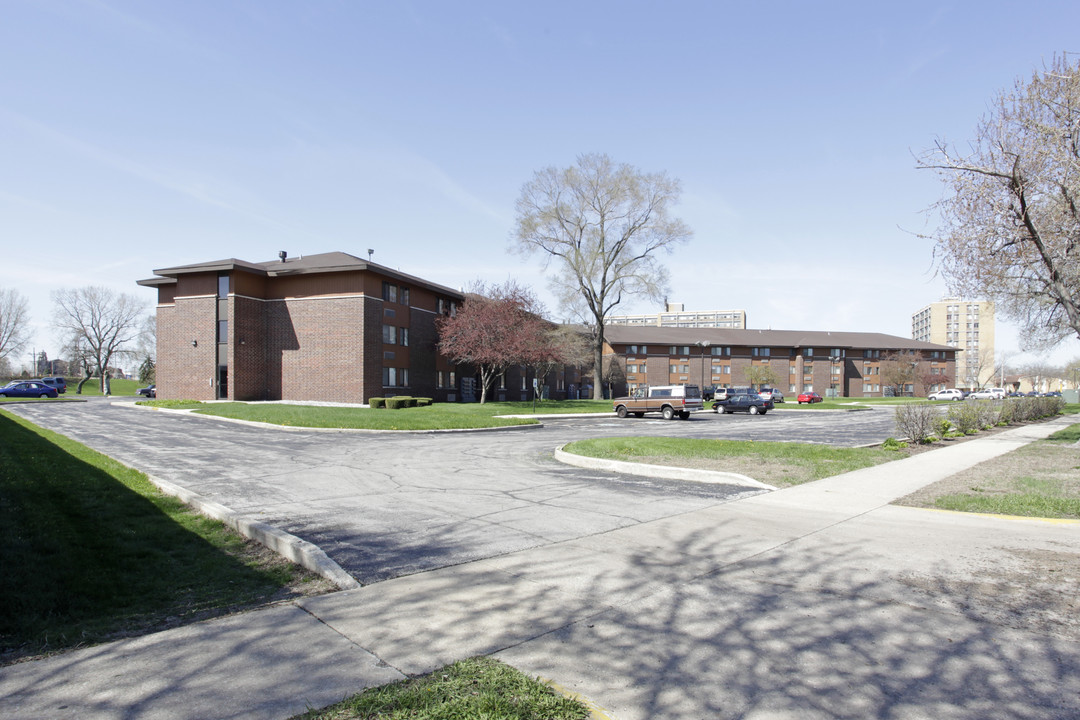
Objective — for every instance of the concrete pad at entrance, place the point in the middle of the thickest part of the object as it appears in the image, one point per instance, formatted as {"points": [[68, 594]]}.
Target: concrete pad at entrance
{"points": [[271, 663], [424, 621], [720, 649]]}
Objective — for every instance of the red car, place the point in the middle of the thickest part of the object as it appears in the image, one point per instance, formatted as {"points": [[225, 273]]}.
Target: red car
{"points": [[810, 397]]}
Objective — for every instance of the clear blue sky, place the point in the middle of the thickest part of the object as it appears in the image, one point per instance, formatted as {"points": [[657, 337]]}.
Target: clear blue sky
{"points": [[137, 135]]}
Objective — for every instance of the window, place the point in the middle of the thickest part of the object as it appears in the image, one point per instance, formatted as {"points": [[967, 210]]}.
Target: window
{"points": [[808, 368], [404, 296], [223, 286], [403, 336], [836, 369], [223, 331], [760, 352], [724, 350], [389, 292], [679, 350], [446, 379], [389, 334], [523, 381], [388, 312], [792, 370], [808, 352], [395, 377]]}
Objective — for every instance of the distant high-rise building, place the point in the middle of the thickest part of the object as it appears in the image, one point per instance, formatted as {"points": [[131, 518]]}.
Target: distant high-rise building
{"points": [[968, 326], [677, 316]]}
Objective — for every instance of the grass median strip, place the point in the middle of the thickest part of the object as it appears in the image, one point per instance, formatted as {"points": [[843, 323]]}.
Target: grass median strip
{"points": [[1038, 480], [440, 416], [776, 463], [475, 688], [93, 551]]}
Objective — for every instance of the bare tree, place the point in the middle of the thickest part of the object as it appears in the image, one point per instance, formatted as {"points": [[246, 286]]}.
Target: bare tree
{"points": [[899, 369], [14, 323], [100, 324], [1010, 222], [561, 345], [603, 225], [1070, 371], [1039, 374], [977, 368]]}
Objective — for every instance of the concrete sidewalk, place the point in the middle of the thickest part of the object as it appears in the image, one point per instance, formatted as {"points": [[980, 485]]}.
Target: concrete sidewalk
{"points": [[820, 600]]}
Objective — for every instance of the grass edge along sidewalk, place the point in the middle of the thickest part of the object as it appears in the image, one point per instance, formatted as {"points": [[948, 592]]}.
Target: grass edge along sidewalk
{"points": [[479, 687], [93, 551], [1020, 488]]}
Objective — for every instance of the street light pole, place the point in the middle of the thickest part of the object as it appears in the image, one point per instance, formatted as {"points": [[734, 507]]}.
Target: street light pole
{"points": [[704, 345]]}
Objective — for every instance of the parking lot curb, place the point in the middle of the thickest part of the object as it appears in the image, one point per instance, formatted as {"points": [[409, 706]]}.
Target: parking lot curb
{"points": [[304, 428], [285, 544], [667, 472]]}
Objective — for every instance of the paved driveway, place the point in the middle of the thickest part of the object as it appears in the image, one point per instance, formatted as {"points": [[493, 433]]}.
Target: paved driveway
{"points": [[387, 505]]}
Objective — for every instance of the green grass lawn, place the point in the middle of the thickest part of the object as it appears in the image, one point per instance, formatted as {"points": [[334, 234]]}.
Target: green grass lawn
{"points": [[91, 550], [117, 387], [440, 416], [479, 688], [1038, 480], [774, 463]]}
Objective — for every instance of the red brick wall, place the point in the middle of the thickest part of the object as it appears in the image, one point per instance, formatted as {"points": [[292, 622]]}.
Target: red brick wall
{"points": [[247, 350], [183, 371], [315, 349]]}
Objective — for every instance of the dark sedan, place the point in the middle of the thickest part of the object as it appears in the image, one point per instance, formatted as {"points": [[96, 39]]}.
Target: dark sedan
{"points": [[753, 404], [149, 391], [28, 389]]}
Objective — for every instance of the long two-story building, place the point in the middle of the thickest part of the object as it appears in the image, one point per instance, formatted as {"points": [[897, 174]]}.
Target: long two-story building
{"points": [[851, 364]]}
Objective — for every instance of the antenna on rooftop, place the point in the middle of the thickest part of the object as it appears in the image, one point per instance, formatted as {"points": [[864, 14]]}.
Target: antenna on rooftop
{"points": [[282, 255], [370, 252]]}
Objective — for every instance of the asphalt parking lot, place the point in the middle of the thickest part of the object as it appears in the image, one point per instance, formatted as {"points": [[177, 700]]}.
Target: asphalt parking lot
{"points": [[383, 505]]}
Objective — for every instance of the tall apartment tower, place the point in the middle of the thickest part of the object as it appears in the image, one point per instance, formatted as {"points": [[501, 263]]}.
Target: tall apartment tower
{"points": [[968, 326]]}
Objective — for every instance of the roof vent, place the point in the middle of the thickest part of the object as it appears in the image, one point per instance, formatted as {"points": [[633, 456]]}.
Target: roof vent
{"points": [[282, 255]]}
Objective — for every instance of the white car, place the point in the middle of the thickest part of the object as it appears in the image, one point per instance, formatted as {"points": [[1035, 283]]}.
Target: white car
{"points": [[950, 394], [988, 394]]}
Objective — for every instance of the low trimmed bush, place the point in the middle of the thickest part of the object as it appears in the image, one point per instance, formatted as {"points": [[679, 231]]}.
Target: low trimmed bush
{"points": [[915, 421], [423, 402], [964, 417], [942, 426], [377, 403]]}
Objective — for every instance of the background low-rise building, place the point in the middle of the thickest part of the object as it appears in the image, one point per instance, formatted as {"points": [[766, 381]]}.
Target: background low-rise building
{"points": [[829, 363]]}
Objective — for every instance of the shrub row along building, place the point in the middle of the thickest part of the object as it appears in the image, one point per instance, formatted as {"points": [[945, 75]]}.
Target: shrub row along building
{"points": [[334, 327]]}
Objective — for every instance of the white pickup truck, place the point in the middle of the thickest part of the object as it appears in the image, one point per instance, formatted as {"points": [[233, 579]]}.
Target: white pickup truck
{"points": [[668, 400]]}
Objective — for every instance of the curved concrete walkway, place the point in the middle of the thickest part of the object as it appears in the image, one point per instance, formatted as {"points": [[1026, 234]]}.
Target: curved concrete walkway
{"points": [[816, 601]]}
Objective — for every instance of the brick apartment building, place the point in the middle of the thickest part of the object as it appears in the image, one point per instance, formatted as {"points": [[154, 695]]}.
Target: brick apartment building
{"points": [[829, 363], [327, 327]]}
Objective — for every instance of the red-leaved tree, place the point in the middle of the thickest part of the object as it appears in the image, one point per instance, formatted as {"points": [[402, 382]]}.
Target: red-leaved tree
{"points": [[495, 328]]}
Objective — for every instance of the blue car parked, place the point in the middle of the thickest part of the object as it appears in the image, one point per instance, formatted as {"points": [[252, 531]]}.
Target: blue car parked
{"points": [[28, 388]]}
